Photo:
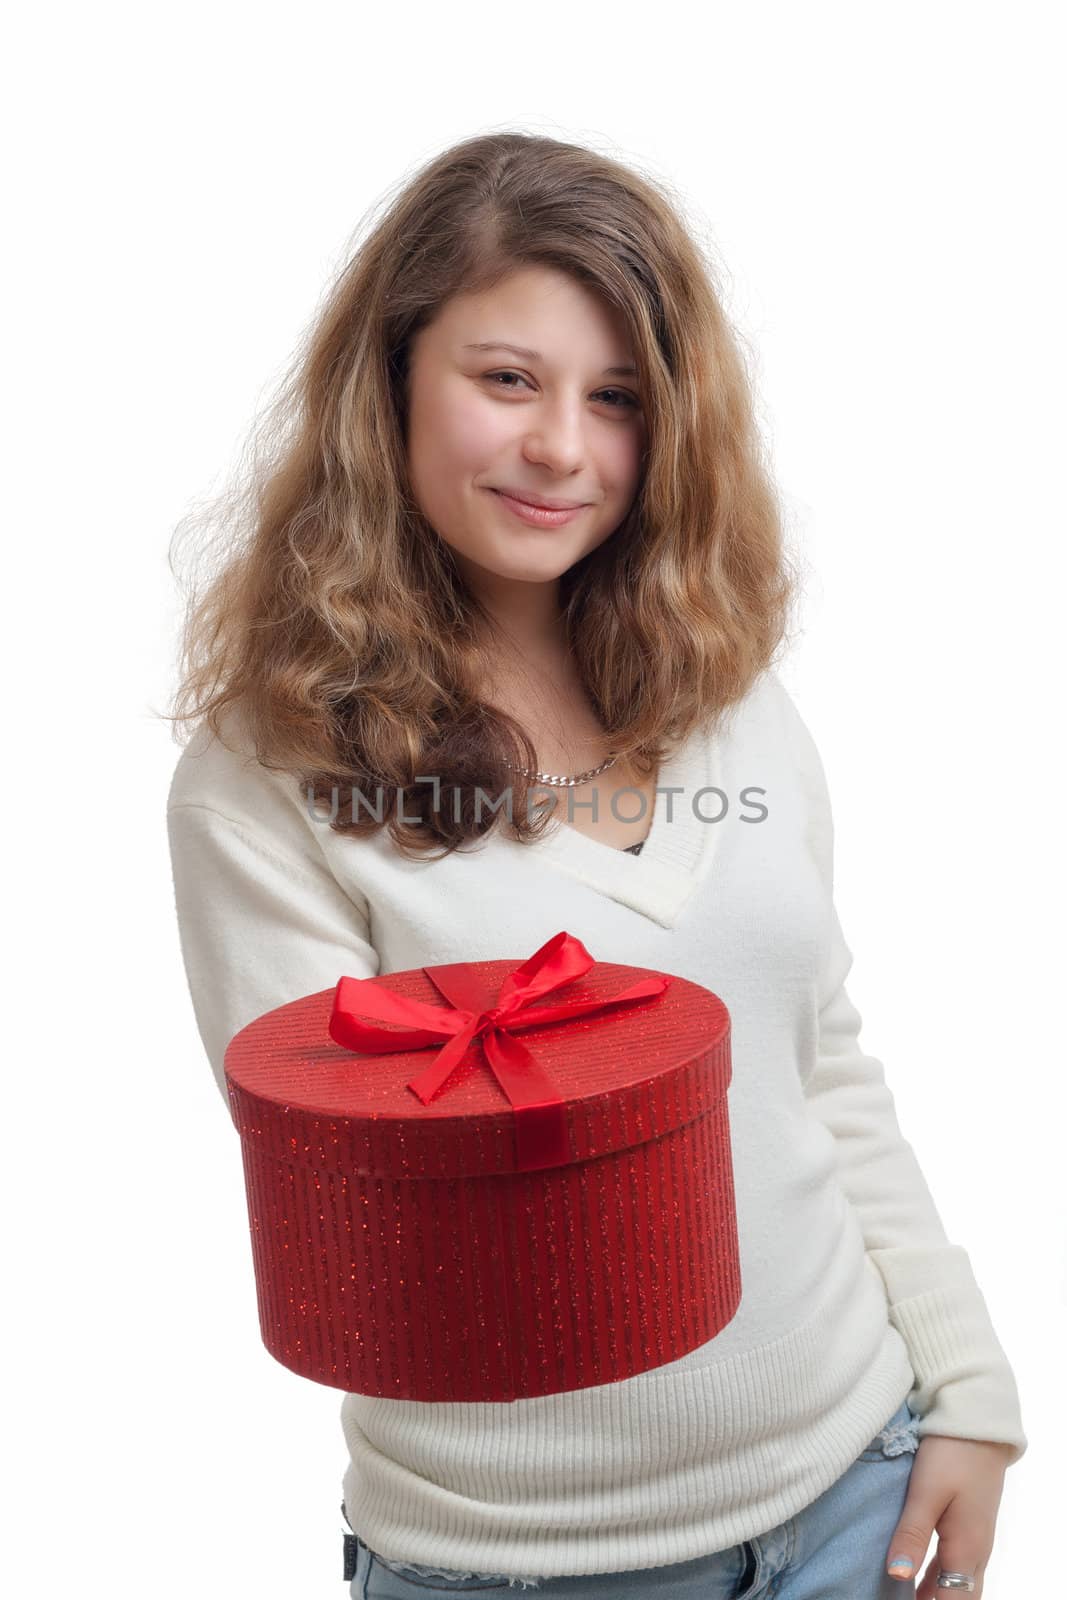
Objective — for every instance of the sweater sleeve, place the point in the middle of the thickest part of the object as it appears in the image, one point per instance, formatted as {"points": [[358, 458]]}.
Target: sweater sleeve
{"points": [[964, 1385], [258, 924]]}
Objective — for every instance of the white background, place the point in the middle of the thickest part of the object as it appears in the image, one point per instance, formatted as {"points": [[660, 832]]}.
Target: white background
{"points": [[882, 186]]}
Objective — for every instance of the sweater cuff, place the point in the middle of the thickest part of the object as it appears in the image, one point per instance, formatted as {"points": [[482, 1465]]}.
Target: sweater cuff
{"points": [[964, 1384]]}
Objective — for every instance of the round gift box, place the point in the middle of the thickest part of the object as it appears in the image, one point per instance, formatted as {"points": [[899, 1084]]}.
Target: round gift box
{"points": [[399, 1250]]}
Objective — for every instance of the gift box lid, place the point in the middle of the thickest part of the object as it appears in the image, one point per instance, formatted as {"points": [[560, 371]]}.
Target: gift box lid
{"points": [[625, 1074]]}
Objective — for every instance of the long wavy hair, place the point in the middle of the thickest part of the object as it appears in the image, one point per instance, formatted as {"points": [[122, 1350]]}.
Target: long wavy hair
{"points": [[335, 622]]}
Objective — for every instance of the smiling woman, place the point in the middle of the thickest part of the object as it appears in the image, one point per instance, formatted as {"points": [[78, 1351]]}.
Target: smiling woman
{"points": [[517, 518]]}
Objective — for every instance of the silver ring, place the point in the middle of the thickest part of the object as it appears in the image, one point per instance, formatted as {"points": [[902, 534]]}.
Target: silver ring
{"points": [[955, 1580]]}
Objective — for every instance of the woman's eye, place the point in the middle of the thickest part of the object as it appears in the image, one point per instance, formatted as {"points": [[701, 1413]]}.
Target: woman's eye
{"points": [[626, 399], [505, 375]]}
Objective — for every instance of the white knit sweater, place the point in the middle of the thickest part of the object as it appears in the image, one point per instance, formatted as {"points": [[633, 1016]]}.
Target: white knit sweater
{"points": [[853, 1298]]}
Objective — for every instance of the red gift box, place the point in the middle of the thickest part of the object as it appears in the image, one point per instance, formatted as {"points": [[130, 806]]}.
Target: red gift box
{"points": [[544, 1202]]}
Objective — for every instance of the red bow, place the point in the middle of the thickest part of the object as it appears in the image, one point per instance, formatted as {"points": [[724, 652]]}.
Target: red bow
{"points": [[540, 1123]]}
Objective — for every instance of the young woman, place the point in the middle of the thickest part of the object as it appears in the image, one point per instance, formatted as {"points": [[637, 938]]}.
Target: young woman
{"points": [[531, 326]]}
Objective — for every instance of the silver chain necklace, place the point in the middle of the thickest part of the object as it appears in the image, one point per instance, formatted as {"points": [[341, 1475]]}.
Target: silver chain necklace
{"points": [[580, 777]]}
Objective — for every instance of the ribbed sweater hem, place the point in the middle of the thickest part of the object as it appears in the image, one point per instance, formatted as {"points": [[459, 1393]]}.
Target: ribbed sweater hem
{"points": [[766, 1432]]}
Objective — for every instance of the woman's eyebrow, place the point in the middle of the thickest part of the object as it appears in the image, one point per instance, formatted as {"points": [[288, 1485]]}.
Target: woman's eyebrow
{"points": [[532, 355]]}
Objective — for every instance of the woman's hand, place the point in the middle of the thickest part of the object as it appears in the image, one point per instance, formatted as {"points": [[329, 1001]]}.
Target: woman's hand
{"points": [[954, 1489]]}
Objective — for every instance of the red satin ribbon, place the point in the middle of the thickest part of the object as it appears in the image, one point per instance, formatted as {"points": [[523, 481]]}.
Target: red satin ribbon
{"points": [[540, 1120]]}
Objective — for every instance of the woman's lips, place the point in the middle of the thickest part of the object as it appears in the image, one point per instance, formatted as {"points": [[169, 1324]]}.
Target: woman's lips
{"points": [[537, 516]]}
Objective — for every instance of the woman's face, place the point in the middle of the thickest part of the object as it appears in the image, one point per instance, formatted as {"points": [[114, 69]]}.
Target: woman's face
{"points": [[557, 423]]}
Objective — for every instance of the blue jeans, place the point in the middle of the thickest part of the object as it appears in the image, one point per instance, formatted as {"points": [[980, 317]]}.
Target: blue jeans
{"points": [[836, 1548]]}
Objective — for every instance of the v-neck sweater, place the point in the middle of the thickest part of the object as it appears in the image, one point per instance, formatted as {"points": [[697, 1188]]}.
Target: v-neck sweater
{"points": [[853, 1297]]}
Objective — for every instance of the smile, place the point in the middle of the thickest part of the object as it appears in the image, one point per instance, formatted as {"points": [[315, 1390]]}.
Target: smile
{"points": [[537, 516]]}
